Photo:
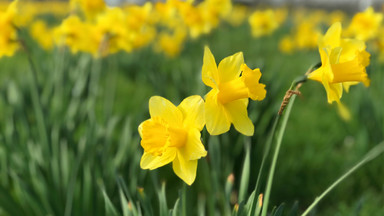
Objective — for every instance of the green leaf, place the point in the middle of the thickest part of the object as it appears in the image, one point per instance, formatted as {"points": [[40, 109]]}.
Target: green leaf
{"points": [[110, 210]]}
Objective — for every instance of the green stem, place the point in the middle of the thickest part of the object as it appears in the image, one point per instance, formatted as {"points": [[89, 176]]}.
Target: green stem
{"points": [[184, 200], [245, 174], [276, 153], [265, 154], [36, 101], [372, 154]]}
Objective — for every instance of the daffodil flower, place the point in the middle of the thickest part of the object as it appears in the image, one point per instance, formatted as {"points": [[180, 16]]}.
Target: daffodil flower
{"points": [[232, 83], [172, 134], [365, 25], [343, 63], [9, 43]]}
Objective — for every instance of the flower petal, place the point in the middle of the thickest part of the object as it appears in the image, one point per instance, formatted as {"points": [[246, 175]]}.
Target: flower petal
{"points": [[237, 110], [161, 107], [344, 111], [185, 169], [217, 121], [194, 148], [334, 91], [150, 161], [193, 112], [229, 67], [350, 48], [349, 71], [332, 37], [209, 72]]}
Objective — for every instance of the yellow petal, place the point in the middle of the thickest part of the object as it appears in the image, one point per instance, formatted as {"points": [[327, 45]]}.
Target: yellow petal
{"points": [[332, 37], [185, 169], [334, 91], [161, 107], [344, 111], [217, 121], [237, 110], [194, 148], [348, 72], [209, 72], [149, 161], [193, 112], [346, 85], [351, 47], [229, 67], [317, 74], [140, 129], [256, 90], [324, 70]]}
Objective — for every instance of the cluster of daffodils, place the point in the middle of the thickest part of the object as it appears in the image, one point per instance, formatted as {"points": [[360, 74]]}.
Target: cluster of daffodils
{"points": [[91, 26], [265, 22], [306, 32], [306, 29], [172, 134]]}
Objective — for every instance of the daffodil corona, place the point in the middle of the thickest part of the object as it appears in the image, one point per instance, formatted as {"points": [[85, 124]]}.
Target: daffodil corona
{"points": [[172, 134], [232, 83]]}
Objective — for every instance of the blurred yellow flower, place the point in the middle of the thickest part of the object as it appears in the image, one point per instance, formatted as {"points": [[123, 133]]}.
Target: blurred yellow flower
{"points": [[306, 35], [281, 15], [232, 83], [77, 35], [9, 43], [91, 8], [336, 16], [263, 22], [364, 25], [237, 15], [343, 63], [198, 19], [111, 32], [171, 44], [286, 45], [172, 134], [42, 34], [141, 24]]}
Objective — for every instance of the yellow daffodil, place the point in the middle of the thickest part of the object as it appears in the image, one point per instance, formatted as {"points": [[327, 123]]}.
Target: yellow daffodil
{"points": [[336, 16], [91, 8], [75, 34], [343, 63], [232, 83], [365, 25], [238, 15], [306, 35], [172, 134], [42, 34], [8, 34], [112, 32], [141, 24], [281, 15], [171, 44], [286, 44], [263, 22]]}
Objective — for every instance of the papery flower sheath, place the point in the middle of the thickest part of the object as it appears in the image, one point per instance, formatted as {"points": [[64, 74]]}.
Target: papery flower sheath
{"points": [[172, 134], [232, 83]]}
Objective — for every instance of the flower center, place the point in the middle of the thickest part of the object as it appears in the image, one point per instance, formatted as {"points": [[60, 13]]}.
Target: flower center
{"points": [[158, 135], [232, 90], [247, 85]]}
